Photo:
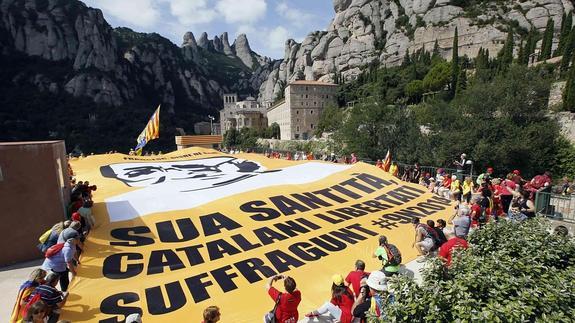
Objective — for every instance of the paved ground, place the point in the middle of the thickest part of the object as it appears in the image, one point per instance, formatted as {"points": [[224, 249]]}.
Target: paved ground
{"points": [[11, 278]]}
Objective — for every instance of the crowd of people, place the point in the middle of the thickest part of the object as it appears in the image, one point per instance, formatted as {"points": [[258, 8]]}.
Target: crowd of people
{"points": [[40, 298], [353, 298]]}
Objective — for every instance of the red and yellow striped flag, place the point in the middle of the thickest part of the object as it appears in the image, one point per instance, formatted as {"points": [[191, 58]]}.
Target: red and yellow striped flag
{"points": [[387, 161], [152, 131]]}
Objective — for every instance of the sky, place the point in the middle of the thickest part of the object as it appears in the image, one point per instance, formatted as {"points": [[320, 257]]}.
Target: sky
{"points": [[267, 23]]}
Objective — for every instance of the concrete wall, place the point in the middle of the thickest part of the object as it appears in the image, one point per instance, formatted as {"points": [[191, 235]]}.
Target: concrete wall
{"points": [[280, 114], [34, 193]]}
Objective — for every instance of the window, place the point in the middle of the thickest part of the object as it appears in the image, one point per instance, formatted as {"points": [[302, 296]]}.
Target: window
{"points": [[297, 112], [311, 112], [312, 125], [297, 128], [306, 96]]}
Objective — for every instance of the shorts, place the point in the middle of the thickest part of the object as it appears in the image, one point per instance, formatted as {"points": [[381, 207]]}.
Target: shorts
{"points": [[426, 244]]}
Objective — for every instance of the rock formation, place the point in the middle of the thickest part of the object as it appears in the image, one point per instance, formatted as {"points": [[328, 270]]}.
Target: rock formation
{"points": [[364, 31], [115, 66]]}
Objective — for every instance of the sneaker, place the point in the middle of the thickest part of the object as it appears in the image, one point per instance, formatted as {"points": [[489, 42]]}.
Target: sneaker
{"points": [[311, 314], [421, 259]]}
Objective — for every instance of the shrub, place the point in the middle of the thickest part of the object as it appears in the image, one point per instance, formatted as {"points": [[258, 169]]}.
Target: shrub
{"points": [[512, 272]]}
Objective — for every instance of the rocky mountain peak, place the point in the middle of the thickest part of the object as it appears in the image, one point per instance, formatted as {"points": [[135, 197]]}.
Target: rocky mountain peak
{"points": [[383, 31], [189, 40], [226, 45], [242, 48], [204, 42]]}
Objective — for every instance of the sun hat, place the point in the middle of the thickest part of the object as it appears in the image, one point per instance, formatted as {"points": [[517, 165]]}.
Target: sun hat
{"points": [[377, 281], [337, 279], [134, 318]]}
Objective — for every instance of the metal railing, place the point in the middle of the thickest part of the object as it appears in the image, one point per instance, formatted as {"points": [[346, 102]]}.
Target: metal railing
{"points": [[433, 170], [555, 206]]}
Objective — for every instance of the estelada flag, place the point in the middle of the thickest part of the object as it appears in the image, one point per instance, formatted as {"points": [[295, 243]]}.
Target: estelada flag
{"points": [[150, 132], [387, 161]]}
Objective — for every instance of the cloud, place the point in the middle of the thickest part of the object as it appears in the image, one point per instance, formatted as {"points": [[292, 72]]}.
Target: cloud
{"points": [[277, 38], [189, 12], [294, 16], [141, 13], [243, 12]]}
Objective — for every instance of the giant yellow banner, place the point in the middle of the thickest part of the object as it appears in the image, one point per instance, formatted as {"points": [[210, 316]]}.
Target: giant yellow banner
{"points": [[180, 232]]}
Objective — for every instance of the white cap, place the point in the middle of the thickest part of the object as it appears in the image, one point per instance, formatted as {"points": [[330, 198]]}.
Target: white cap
{"points": [[134, 318]]}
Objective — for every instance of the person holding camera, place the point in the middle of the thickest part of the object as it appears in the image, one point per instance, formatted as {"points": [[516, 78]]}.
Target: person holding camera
{"points": [[389, 255], [286, 303]]}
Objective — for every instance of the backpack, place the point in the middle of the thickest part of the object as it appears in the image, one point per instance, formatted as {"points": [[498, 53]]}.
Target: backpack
{"points": [[393, 255], [433, 235], [54, 250]]}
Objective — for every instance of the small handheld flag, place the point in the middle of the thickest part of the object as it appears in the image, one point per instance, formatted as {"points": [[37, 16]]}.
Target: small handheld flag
{"points": [[150, 132], [387, 161]]}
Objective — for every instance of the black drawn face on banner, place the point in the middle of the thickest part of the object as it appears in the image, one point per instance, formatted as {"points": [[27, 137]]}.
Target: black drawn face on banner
{"points": [[184, 176]]}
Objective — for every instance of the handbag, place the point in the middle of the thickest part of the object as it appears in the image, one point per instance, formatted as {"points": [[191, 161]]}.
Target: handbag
{"points": [[270, 316]]}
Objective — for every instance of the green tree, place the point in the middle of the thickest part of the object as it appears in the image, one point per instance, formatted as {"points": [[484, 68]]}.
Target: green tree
{"points": [[373, 126], [505, 56], [275, 130], [569, 92], [414, 90], [500, 122], [461, 81], [436, 55], [566, 25], [300, 75], [547, 40], [231, 138], [568, 51], [512, 272], [454, 62], [438, 77], [406, 59], [331, 119], [530, 44]]}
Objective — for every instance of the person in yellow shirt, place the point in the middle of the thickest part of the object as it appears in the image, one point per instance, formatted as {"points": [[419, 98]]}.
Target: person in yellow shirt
{"points": [[455, 188], [467, 189], [394, 170]]}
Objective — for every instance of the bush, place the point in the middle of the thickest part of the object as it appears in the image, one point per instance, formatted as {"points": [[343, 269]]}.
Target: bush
{"points": [[438, 77], [512, 272]]}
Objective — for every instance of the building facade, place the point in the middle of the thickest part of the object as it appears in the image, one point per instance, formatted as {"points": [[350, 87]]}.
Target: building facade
{"points": [[239, 114], [298, 115]]}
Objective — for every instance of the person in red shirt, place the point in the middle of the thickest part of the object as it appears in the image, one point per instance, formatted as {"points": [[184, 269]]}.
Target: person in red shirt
{"points": [[483, 202], [341, 304], [354, 277], [446, 250], [286, 311]]}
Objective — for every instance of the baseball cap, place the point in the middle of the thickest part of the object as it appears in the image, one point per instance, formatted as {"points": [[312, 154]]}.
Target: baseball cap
{"points": [[337, 279]]}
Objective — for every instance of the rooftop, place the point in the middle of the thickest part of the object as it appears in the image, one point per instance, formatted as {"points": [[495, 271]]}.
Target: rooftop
{"points": [[21, 143], [303, 82]]}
